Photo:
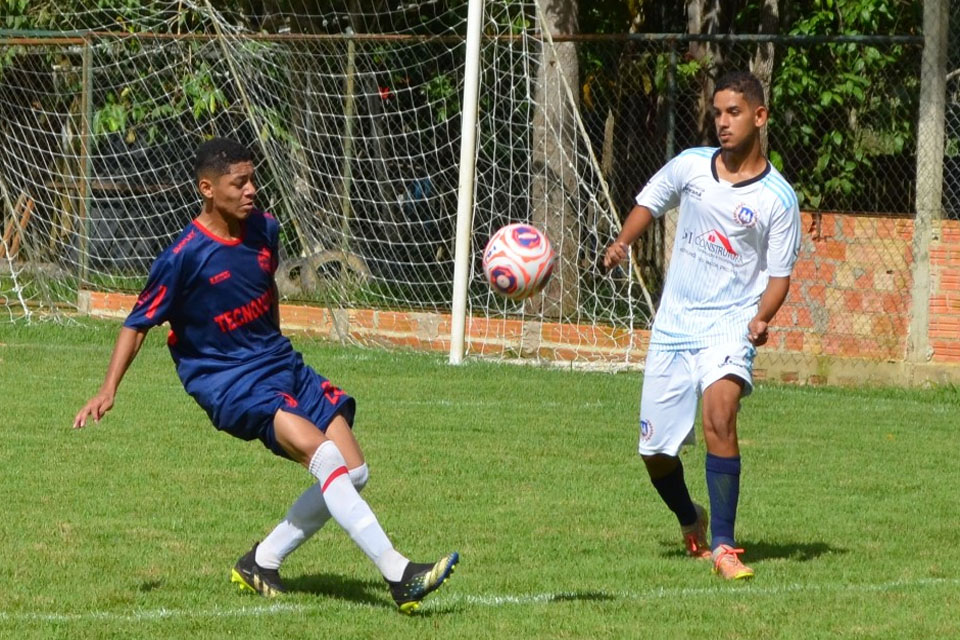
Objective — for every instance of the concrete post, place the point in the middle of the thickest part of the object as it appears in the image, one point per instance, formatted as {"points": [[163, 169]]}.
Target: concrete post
{"points": [[930, 141]]}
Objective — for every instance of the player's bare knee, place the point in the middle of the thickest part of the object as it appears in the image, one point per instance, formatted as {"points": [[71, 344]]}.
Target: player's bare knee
{"points": [[720, 426]]}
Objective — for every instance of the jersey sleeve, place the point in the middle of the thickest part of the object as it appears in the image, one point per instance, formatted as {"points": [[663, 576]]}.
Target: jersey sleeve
{"points": [[662, 191], [783, 242], [272, 230], [155, 302]]}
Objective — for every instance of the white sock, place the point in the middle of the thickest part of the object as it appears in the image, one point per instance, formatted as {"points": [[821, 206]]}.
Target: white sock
{"points": [[359, 476], [352, 513], [307, 516]]}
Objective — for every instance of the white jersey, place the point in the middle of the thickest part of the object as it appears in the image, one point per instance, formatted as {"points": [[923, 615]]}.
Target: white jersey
{"points": [[730, 239]]}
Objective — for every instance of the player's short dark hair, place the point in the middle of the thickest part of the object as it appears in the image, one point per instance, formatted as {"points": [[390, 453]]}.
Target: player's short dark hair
{"points": [[215, 156], [742, 82]]}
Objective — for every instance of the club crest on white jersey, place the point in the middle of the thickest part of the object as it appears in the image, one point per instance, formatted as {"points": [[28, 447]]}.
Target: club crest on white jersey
{"points": [[745, 215]]}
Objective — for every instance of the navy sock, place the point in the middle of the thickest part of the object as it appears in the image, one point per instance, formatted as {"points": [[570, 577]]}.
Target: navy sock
{"points": [[723, 485], [673, 490]]}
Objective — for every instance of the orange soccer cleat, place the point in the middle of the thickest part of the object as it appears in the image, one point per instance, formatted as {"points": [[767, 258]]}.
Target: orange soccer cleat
{"points": [[695, 535], [726, 563]]}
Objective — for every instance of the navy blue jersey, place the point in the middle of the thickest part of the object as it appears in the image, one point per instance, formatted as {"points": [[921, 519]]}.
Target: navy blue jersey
{"points": [[218, 297]]}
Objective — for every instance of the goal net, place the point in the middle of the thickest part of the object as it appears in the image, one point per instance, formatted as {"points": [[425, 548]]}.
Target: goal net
{"points": [[354, 114]]}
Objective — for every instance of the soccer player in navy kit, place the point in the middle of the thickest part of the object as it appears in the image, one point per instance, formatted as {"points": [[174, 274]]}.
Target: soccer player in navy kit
{"points": [[215, 286], [738, 235]]}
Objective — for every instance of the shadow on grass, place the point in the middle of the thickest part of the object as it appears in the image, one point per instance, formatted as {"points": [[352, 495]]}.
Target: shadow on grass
{"points": [[369, 592], [149, 585], [796, 551], [372, 592], [376, 594], [756, 550]]}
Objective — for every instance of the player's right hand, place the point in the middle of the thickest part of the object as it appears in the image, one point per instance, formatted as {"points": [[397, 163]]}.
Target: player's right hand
{"points": [[615, 254], [95, 407]]}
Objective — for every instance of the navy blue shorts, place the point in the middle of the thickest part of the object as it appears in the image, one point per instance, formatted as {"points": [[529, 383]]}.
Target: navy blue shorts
{"points": [[298, 389]]}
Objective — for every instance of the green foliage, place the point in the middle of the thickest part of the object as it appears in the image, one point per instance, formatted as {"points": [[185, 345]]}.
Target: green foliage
{"points": [[141, 98], [14, 13], [137, 107], [843, 114], [272, 123], [609, 16], [442, 92], [850, 102]]}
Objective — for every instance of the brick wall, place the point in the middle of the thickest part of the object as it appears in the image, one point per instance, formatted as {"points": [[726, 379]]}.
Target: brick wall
{"points": [[944, 326], [846, 319], [501, 337], [850, 289]]}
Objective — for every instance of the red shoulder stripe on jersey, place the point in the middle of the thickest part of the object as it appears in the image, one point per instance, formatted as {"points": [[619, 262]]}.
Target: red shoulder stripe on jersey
{"points": [[187, 238], [144, 296], [157, 299]]}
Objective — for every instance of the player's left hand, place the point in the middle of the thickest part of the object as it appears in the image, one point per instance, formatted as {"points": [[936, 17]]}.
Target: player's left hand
{"points": [[616, 253], [757, 332]]}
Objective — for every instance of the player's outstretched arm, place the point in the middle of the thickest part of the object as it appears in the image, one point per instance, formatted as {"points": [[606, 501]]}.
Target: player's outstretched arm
{"points": [[128, 344], [636, 223]]}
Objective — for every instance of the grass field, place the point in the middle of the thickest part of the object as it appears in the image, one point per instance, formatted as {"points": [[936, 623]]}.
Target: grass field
{"points": [[128, 529]]}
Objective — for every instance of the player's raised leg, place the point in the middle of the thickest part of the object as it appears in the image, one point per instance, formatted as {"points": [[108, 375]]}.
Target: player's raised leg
{"points": [[304, 443], [666, 474], [721, 400], [309, 513]]}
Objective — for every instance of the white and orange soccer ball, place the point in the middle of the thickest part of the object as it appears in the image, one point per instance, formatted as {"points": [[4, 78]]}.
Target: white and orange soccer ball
{"points": [[518, 261]]}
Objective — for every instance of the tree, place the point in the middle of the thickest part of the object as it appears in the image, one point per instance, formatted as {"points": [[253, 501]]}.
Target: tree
{"points": [[845, 113], [762, 63], [554, 154], [709, 17]]}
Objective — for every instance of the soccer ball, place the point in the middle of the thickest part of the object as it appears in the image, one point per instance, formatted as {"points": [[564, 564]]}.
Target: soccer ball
{"points": [[518, 261]]}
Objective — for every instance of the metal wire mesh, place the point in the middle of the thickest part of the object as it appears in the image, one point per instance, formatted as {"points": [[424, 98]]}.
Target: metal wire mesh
{"points": [[951, 165], [98, 133]]}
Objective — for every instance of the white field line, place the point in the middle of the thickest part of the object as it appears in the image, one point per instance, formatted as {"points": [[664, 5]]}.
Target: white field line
{"points": [[738, 591], [495, 401]]}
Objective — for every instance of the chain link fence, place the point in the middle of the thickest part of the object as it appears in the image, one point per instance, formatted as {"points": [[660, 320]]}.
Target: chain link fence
{"points": [[361, 141], [951, 167], [841, 130]]}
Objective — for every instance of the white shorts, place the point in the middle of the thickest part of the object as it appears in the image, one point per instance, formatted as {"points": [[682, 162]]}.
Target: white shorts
{"points": [[672, 384]]}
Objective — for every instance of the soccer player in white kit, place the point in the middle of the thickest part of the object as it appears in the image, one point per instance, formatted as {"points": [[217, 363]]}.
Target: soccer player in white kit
{"points": [[738, 236]]}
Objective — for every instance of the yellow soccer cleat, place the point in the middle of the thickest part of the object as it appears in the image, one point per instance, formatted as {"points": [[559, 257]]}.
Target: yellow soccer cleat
{"points": [[419, 580], [252, 577]]}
